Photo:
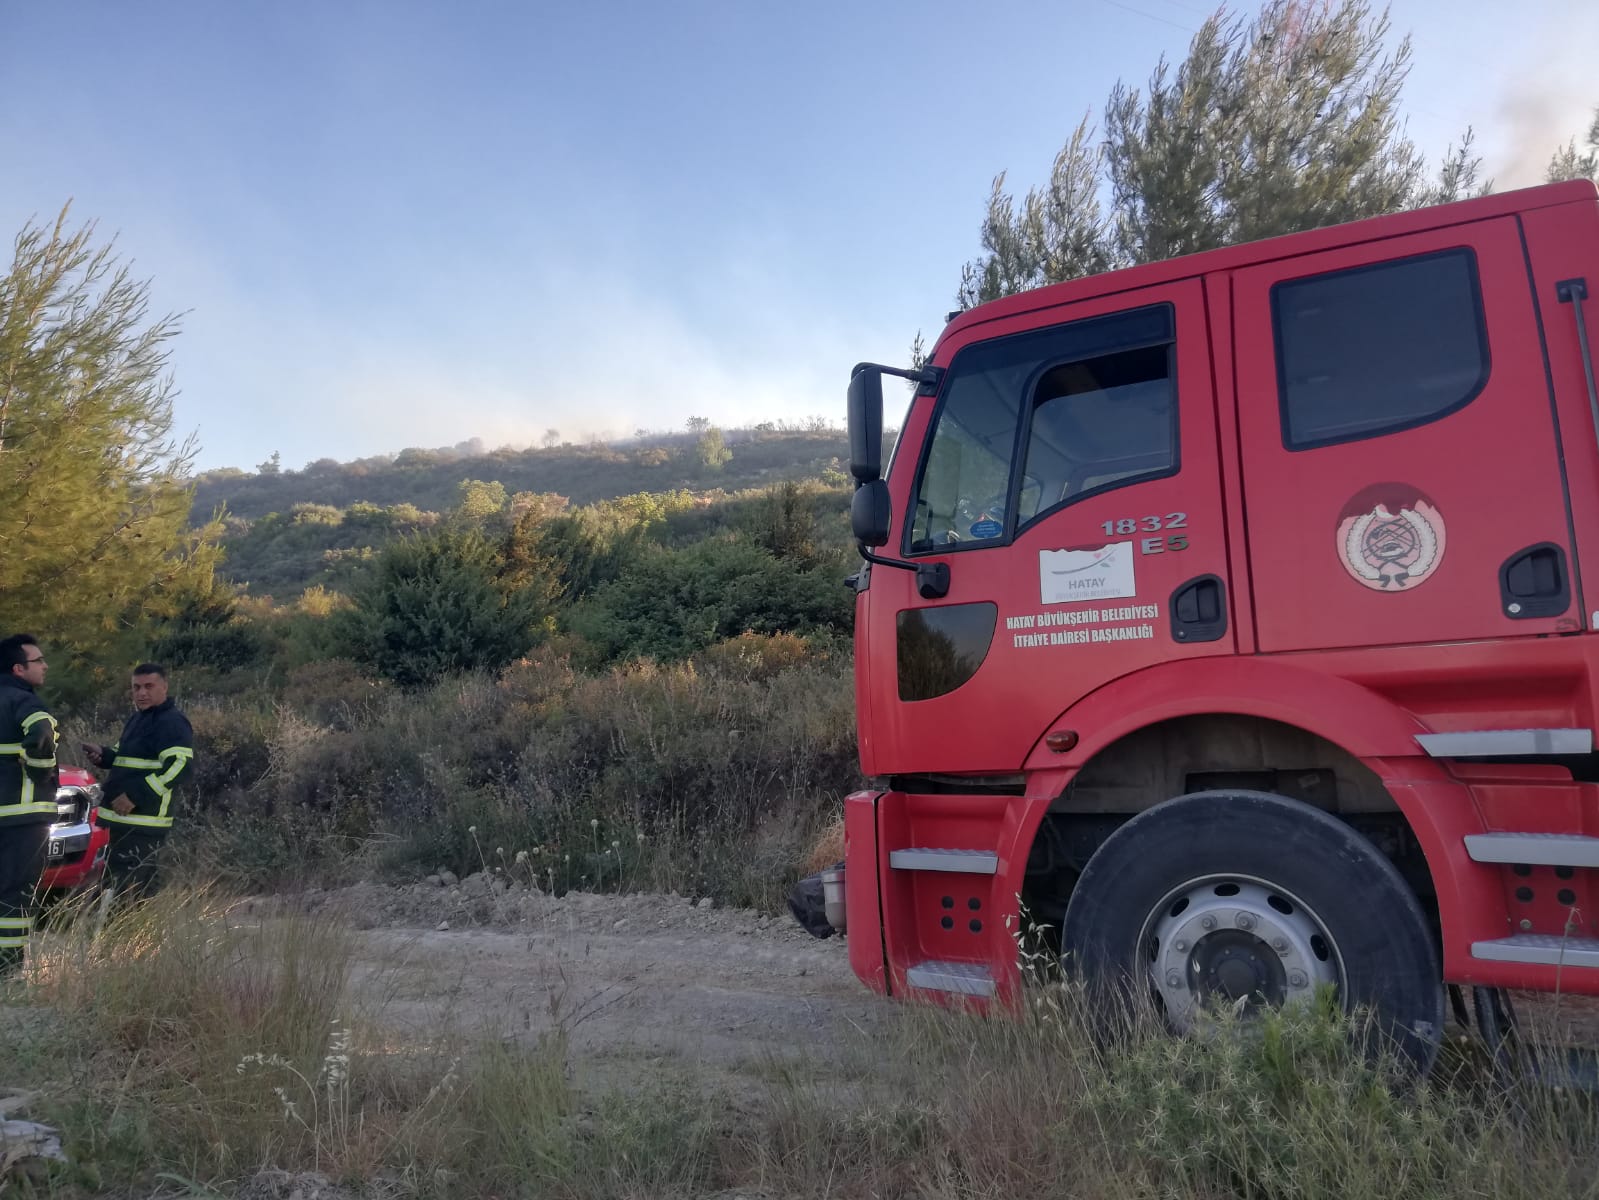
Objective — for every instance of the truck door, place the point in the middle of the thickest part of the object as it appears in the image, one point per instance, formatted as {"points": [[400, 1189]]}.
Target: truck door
{"points": [[1067, 475], [1403, 479]]}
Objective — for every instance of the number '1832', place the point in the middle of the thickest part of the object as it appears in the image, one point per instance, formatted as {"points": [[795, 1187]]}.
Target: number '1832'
{"points": [[1150, 524]]}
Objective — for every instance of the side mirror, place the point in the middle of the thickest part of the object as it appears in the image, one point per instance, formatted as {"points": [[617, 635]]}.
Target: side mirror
{"points": [[866, 425], [870, 512]]}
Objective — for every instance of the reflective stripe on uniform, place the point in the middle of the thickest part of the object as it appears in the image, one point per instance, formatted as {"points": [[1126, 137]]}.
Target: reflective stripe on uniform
{"points": [[38, 764], [28, 722], [26, 805], [11, 924], [161, 784], [14, 931], [137, 764], [29, 809], [109, 814]]}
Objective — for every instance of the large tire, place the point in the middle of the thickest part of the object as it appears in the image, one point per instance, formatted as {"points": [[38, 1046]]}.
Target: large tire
{"points": [[1293, 897]]}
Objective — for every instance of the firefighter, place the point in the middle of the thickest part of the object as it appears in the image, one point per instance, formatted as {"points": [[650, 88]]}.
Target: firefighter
{"points": [[145, 766], [27, 792]]}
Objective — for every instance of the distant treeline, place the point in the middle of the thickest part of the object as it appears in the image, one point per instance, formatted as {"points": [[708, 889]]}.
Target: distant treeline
{"points": [[430, 480]]}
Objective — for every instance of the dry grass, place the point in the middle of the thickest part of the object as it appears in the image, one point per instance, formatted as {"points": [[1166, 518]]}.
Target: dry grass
{"points": [[709, 777], [181, 1047], [970, 1108], [827, 849]]}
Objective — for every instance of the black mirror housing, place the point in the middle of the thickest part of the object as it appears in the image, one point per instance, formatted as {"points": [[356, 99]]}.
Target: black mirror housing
{"points": [[866, 424], [870, 513]]}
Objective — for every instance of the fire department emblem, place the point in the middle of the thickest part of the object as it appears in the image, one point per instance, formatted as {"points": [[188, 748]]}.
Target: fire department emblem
{"points": [[1391, 537]]}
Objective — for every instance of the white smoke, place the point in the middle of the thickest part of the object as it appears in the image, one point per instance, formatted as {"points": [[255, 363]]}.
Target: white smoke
{"points": [[1551, 95]]}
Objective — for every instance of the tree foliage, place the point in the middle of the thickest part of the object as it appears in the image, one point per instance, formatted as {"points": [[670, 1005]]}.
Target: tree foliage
{"points": [[669, 603], [712, 451], [481, 500], [1569, 163], [94, 495], [1286, 122], [437, 605], [785, 525]]}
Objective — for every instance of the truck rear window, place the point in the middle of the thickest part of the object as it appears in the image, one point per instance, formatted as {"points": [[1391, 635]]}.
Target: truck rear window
{"points": [[1377, 349]]}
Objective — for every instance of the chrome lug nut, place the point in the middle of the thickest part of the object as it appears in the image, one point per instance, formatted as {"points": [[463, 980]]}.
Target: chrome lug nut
{"points": [[1296, 979], [1245, 921], [1207, 922]]}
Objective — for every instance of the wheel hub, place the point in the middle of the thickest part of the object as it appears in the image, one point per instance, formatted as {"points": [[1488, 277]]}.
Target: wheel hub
{"points": [[1235, 941]]}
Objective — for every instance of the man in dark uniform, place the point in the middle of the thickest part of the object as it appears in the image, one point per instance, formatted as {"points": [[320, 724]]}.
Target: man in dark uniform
{"points": [[27, 792], [145, 764]]}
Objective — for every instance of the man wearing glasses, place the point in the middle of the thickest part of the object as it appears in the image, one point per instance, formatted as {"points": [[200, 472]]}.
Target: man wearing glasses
{"points": [[27, 792]]}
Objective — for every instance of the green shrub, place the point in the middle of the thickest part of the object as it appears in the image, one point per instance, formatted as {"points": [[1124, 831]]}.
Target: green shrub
{"points": [[669, 603], [434, 606]]}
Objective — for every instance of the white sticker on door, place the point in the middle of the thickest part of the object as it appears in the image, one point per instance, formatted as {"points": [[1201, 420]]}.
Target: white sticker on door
{"points": [[1080, 576]]}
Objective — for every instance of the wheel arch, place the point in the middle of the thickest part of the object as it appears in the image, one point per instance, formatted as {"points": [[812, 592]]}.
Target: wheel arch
{"points": [[1368, 738]]}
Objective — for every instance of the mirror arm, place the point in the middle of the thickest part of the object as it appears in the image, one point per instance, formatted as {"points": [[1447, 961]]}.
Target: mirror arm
{"points": [[932, 578], [928, 374]]}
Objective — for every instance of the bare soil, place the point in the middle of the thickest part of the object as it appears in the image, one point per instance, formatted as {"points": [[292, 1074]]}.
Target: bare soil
{"points": [[639, 979], [647, 979]]}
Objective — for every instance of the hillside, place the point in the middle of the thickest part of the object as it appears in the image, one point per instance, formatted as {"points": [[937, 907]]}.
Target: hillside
{"points": [[430, 479], [289, 530]]}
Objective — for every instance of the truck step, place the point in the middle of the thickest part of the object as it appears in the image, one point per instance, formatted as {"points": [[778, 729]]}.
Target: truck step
{"points": [[965, 862], [1542, 949], [1534, 849], [1507, 743], [964, 978]]}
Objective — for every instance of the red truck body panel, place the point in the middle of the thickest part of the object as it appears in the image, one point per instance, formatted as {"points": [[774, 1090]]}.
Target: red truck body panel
{"points": [[78, 848], [1371, 582]]}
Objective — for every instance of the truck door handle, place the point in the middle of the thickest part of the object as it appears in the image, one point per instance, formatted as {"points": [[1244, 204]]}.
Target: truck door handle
{"points": [[1199, 610], [1535, 583]]}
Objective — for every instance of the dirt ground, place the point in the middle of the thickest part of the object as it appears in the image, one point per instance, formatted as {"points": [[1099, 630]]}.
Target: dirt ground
{"points": [[634, 979], [646, 978]]}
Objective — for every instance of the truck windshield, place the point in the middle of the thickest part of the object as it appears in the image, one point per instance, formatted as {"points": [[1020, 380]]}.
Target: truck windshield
{"points": [[966, 480]]}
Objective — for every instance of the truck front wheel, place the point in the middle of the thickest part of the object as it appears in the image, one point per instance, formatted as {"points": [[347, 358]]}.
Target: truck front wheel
{"points": [[1253, 899]]}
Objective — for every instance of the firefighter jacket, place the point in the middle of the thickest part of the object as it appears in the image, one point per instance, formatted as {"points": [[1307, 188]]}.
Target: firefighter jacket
{"points": [[146, 764], [27, 756]]}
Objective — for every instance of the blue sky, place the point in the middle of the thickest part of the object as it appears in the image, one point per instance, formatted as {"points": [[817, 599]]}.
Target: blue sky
{"points": [[408, 224]]}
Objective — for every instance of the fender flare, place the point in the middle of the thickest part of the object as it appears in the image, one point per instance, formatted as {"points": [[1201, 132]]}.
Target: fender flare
{"points": [[1438, 808], [1350, 716]]}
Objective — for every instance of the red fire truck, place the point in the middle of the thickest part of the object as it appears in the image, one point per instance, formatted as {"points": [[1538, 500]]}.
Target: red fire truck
{"points": [[79, 843], [1226, 614]]}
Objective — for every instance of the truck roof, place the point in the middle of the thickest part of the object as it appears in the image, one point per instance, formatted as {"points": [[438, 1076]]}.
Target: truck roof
{"points": [[1290, 245]]}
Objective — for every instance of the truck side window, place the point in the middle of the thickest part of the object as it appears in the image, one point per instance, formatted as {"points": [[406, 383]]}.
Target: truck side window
{"points": [[1380, 348], [1100, 406], [1102, 422]]}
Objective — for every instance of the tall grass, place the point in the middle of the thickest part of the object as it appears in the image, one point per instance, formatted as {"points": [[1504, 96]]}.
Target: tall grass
{"points": [[710, 777], [1282, 1107], [180, 1046]]}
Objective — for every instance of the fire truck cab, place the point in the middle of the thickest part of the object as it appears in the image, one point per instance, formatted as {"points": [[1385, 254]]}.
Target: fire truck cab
{"points": [[1227, 616]]}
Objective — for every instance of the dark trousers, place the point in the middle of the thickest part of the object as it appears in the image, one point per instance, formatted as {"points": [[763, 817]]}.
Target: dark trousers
{"points": [[133, 861], [22, 856]]}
